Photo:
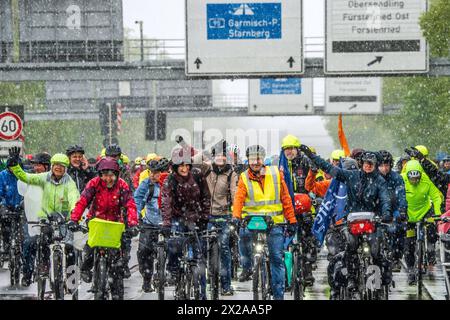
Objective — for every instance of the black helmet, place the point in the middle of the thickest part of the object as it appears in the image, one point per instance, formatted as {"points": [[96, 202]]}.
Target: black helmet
{"points": [[75, 148], [219, 148], [386, 157], [256, 150], [369, 156], [158, 165], [41, 158], [113, 150]]}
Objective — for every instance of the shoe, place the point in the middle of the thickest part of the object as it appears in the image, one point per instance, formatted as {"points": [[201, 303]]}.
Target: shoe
{"points": [[411, 279], [246, 275], [126, 272], [147, 286], [396, 266], [228, 292], [26, 281], [86, 276], [309, 280], [334, 294]]}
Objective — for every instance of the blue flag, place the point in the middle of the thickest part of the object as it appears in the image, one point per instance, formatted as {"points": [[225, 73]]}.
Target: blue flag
{"points": [[284, 165]]}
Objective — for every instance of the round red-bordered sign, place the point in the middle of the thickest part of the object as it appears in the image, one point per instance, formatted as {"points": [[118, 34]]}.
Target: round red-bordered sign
{"points": [[10, 126]]}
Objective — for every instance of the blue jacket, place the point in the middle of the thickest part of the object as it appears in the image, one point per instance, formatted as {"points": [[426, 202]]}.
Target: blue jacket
{"points": [[366, 192], [397, 192], [150, 202], [9, 195]]}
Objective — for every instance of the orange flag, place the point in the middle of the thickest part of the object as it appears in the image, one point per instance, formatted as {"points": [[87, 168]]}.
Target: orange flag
{"points": [[342, 138]]}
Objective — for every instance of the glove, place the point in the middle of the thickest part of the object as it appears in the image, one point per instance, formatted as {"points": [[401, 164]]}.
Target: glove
{"points": [[202, 224], [386, 218], [72, 226], [14, 157], [306, 150], [166, 231], [403, 217], [133, 231], [291, 229], [414, 153]]}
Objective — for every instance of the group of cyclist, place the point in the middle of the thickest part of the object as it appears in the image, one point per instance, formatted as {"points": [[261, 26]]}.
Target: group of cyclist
{"points": [[195, 190]]}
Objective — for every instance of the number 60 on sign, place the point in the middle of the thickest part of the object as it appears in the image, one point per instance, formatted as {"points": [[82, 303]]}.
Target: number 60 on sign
{"points": [[10, 126]]}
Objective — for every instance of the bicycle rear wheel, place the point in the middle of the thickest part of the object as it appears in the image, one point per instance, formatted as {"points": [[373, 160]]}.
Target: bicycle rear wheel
{"points": [[161, 270], [256, 277], [419, 269], [58, 275], [14, 259]]}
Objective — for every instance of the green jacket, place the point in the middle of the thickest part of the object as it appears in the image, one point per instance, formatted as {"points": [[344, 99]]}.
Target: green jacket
{"points": [[420, 197], [58, 196]]}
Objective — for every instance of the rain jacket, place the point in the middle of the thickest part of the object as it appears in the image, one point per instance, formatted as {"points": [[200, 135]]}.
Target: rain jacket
{"points": [[185, 198], [366, 192], [319, 188], [447, 202], [9, 195], [136, 181], [397, 193], [81, 177], [222, 184], [241, 195], [58, 196], [439, 178], [420, 197], [295, 173], [152, 203], [105, 203]]}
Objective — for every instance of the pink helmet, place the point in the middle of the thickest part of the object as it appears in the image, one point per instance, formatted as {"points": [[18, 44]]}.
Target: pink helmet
{"points": [[108, 164]]}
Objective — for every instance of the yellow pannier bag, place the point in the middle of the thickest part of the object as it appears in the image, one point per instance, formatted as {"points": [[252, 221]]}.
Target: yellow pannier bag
{"points": [[106, 234]]}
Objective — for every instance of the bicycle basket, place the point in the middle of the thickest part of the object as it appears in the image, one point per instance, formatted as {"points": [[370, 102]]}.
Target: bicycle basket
{"points": [[106, 234], [257, 224]]}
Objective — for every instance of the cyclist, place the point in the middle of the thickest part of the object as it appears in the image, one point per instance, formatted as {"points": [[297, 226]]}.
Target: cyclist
{"points": [[186, 204], [396, 189], [138, 168], [106, 196], [59, 195], [423, 198], [79, 168], [258, 188], [367, 192], [41, 162], [336, 156], [148, 195], [446, 165], [222, 183], [146, 171]]}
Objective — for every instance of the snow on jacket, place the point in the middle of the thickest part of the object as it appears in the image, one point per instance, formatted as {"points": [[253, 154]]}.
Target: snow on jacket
{"points": [[397, 192], [58, 196], [183, 197], [81, 177], [9, 195], [106, 203], [439, 178], [422, 196], [366, 192], [152, 203]]}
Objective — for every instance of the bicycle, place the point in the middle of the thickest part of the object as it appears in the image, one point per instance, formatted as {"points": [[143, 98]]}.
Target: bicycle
{"points": [[74, 280], [213, 260], [13, 219], [235, 255], [421, 262], [53, 233]]}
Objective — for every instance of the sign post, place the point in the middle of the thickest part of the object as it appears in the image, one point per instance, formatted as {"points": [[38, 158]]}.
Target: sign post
{"points": [[353, 96], [255, 37], [11, 126], [380, 37], [282, 96]]}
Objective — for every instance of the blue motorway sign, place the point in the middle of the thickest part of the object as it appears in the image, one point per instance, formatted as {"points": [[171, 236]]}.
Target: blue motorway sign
{"points": [[281, 86], [243, 21]]}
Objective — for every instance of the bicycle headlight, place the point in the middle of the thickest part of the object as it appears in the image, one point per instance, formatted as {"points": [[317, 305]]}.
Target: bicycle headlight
{"points": [[231, 228], [259, 247], [366, 248]]}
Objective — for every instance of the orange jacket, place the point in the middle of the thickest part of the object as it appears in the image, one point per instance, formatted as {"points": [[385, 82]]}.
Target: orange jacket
{"points": [[317, 187], [241, 194]]}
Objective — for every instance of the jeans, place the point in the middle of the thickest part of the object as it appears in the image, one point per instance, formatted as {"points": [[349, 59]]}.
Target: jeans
{"points": [[148, 239], [225, 252], [275, 244]]}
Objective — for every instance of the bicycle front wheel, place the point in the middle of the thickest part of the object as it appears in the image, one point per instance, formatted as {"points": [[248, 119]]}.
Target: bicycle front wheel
{"points": [[213, 271], [297, 278], [419, 269], [101, 279], [161, 270], [58, 275]]}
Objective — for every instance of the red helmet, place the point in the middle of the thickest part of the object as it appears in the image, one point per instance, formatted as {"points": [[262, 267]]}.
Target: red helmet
{"points": [[108, 164], [302, 203]]}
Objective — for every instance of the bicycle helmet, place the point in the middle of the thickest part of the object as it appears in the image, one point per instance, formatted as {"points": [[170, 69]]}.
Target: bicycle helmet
{"points": [[138, 161], [386, 157], [423, 150], [302, 203], [349, 164], [219, 148], [369, 156], [113, 150], [60, 158], [108, 164], [337, 154], [161, 164], [41, 158], [75, 148], [256, 150], [414, 174], [290, 141]]}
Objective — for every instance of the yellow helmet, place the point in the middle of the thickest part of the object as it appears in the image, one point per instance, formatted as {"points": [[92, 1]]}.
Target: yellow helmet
{"points": [[337, 154], [313, 149], [138, 160], [124, 158], [151, 156], [103, 153], [423, 150], [290, 141]]}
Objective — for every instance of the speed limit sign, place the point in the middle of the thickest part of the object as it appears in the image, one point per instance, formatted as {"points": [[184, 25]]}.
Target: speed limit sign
{"points": [[10, 126]]}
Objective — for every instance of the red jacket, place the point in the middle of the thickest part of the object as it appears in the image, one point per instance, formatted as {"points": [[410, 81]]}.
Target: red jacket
{"points": [[136, 178], [106, 203]]}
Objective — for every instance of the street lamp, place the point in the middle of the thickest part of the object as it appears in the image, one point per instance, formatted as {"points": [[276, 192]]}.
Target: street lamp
{"points": [[141, 27]]}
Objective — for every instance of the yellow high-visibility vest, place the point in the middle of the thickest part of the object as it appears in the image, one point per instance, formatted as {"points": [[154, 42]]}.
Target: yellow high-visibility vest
{"points": [[268, 202]]}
